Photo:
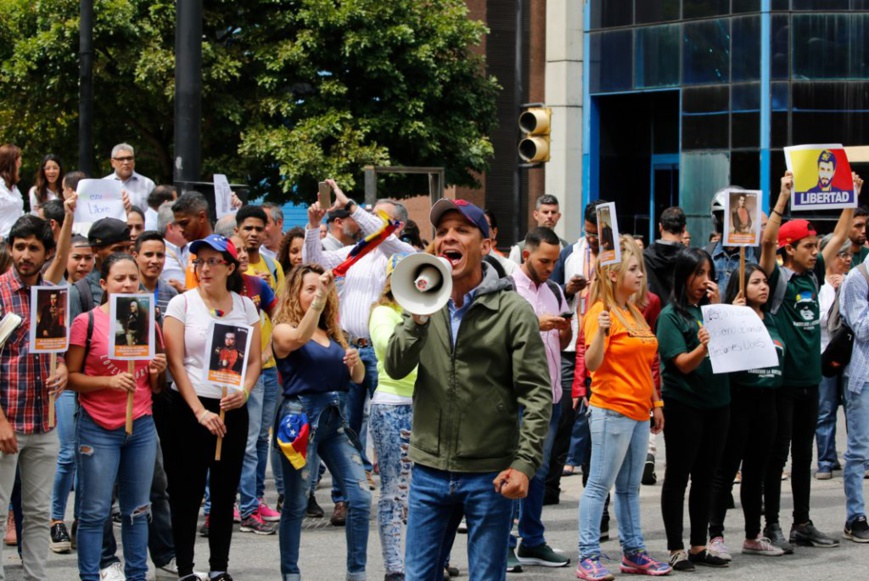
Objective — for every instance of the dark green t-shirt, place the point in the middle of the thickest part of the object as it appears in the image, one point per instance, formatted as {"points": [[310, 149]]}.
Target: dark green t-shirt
{"points": [[859, 257], [799, 323], [701, 388], [767, 377]]}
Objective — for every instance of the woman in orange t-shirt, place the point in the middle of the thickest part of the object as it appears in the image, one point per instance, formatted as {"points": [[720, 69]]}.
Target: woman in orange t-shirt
{"points": [[620, 351]]}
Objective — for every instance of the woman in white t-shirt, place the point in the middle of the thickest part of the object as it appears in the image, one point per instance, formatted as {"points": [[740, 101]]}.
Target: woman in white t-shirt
{"points": [[195, 423], [11, 202], [47, 183]]}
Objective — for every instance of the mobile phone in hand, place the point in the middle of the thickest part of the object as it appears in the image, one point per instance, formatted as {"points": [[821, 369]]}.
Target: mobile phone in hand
{"points": [[324, 196], [567, 316]]}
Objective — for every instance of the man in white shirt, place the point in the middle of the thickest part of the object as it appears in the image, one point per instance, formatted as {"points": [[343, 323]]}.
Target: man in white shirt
{"points": [[175, 267], [124, 163], [158, 196]]}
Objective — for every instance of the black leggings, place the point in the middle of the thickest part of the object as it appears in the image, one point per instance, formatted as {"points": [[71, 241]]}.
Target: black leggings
{"points": [[797, 409], [694, 441], [749, 441], [189, 455]]}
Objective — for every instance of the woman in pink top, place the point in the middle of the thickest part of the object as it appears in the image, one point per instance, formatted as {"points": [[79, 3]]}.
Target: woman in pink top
{"points": [[105, 452]]}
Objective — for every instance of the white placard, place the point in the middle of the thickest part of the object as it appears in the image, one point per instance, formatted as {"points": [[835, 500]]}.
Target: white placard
{"points": [[222, 196], [608, 234], [742, 218], [738, 339], [99, 199], [226, 350]]}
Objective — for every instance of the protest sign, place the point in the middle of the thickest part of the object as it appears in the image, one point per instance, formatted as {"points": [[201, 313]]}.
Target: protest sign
{"points": [[49, 319], [742, 218], [222, 196], [132, 327], [822, 177], [227, 347], [99, 199], [608, 234], [738, 339]]}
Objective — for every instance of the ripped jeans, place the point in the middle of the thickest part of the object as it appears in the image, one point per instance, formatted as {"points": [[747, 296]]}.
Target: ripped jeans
{"points": [[339, 448], [104, 455], [390, 429]]}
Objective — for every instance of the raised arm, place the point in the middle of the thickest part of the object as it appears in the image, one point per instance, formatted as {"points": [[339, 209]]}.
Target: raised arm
{"points": [[286, 338], [55, 272], [843, 226], [769, 240], [312, 251]]}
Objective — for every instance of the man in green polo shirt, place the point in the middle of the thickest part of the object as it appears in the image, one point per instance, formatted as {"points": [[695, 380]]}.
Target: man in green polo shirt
{"points": [[794, 303]]}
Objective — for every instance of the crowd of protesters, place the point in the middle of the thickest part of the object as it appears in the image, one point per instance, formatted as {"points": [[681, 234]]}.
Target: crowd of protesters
{"points": [[538, 366]]}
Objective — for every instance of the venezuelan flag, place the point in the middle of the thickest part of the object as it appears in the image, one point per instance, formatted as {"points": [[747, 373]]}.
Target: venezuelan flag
{"points": [[293, 433], [368, 244]]}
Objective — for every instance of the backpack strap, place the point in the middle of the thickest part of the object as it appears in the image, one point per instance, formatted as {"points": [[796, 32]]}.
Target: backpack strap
{"points": [[781, 287], [559, 294], [87, 345], [86, 296]]}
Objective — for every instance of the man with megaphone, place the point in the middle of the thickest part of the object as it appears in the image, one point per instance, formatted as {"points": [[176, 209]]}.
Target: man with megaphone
{"points": [[480, 361]]}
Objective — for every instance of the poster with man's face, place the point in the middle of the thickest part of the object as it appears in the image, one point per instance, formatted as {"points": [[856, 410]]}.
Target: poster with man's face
{"points": [[49, 319], [226, 348], [742, 218], [608, 234], [822, 177], [132, 326]]}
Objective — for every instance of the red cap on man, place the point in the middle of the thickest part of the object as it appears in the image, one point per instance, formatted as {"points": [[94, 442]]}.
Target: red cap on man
{"points": [[793, 231]]}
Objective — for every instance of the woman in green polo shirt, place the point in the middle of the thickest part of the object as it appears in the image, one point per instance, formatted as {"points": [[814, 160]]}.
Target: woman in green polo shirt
{"points": [[696, 408], [751, 436]]}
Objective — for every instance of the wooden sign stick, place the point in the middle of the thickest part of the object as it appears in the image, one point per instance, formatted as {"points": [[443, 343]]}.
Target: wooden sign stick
{"points": [[131, 368], [220, 440], [53, 370], [742, 270]]}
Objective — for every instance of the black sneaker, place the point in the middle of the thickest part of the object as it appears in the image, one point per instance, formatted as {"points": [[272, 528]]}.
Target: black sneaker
{"points": [[679, 562], [542, 555], [649, 476], [708, 559], [856, 530], [775, 535], [513, 564], [314, 510], [60, 541], [222, 577], [806, 535]]}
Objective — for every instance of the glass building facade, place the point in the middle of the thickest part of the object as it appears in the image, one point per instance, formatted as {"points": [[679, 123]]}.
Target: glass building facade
{"points": [[683, 97]]}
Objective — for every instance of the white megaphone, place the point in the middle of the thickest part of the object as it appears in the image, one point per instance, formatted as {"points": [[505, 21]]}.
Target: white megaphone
{"points": [[422, 283]]}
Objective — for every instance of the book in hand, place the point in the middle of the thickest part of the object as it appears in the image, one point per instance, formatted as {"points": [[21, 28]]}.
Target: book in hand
{"points": [[8, 324]]}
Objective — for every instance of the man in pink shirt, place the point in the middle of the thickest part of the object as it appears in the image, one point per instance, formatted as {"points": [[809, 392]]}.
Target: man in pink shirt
{"points": [[531, 280]]}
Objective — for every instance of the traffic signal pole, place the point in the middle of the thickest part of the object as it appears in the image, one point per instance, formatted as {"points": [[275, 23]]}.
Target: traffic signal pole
{"points": [[86, 87], [188, 90]]}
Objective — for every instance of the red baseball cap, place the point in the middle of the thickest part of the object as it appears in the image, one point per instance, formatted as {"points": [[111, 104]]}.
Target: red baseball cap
{"points": [[794, 231]]}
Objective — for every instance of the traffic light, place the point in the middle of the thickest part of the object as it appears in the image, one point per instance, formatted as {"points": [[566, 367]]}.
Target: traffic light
{"points": [[534, 123]]}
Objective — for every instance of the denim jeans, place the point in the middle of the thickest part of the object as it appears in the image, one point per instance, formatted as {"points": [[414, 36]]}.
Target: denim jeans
{"points": [[261, 411], [390, 430], [64, 410], [829, 398], [338, 447], [857, 453], [356, 412], [531, 527], [104, 455], [436, 502], [618, 452], [580, 439], [272, 391]]}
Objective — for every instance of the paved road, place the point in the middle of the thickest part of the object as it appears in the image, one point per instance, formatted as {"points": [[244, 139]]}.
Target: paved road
{"points": [[255, 558]]}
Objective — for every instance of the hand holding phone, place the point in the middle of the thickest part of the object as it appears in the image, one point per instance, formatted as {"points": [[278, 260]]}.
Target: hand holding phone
{"points": [[324, 196]]}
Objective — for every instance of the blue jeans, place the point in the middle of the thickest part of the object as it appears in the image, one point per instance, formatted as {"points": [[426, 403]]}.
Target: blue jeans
{"points": [[857, 454], [104, 455], [437, 500], [390, 430], [272, 390], [261, 411], [339, 448], [577, 454], [64, 409], [618, 453], [531, 527], [829, 398]]}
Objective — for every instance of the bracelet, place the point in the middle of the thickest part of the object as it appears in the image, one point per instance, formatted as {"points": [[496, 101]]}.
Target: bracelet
{"points": [[774, 211], [202, 417], [246, 395], [658, 404], [318, 305]]}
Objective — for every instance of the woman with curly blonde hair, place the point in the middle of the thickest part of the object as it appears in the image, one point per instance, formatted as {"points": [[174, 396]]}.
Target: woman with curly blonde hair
{"points": [[316, 366]]}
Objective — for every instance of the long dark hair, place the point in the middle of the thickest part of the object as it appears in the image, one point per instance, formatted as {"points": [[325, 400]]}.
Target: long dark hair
{"points": [[106, 268], [235, 281], [733, 283], [688, 263], [41, 182], [9, 155]]}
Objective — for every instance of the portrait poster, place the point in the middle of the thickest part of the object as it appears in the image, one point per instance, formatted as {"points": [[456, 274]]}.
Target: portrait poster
{"points": [[132, 322], [822, 177], [608, 234], [226, 348], [49, 319], [742, 218]]}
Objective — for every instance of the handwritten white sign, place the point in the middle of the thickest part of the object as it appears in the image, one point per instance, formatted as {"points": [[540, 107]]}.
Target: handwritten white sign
{"points": [[222, 196], [738, 339], [99, 199]]}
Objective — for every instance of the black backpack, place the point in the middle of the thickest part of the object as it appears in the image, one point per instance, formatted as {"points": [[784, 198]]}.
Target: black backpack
{"points": [[837, 354]]}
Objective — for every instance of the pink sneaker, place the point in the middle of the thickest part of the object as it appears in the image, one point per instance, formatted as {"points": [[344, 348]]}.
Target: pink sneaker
{"points": [[236, 514], [267, 513]]}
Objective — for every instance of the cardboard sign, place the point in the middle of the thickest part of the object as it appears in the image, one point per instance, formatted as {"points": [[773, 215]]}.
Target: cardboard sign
{"points": [[742, 218], [132, 327], [49, 319], [99, 199], [222, 196], [226, 348], [608, 234], [822, 177], [738, 339]]}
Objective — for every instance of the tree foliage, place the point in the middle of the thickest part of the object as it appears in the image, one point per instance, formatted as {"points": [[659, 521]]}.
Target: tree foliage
{"points": [[293, 90]]}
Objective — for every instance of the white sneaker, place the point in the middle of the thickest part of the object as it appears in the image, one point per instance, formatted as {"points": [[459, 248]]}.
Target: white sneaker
{"points": [[114, 572], [761, 546], [718, 547]]}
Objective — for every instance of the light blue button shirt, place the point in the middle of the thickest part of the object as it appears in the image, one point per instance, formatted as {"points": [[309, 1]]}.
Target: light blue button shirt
{"points": [[457, 314]]}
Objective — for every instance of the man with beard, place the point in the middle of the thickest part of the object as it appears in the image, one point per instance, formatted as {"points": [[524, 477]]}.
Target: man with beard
{"points": [[857, 235], [547, 215], [826, 172]]}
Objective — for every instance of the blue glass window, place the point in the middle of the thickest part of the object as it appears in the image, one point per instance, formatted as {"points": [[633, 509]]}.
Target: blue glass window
{"points": [[781, 5], [746, 6], [657, 56], [745, 97], [830, 46], [706, 51], [706, 118], [745, 169], [611, 54], [780, 49], [780, 96], [745, 63], [820, 4], [651, 11], [702, 8], [609, 13]]}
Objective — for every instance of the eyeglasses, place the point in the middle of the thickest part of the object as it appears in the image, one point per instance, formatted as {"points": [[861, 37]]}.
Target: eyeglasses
{"points": [[211, 262], [124, 159]]}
